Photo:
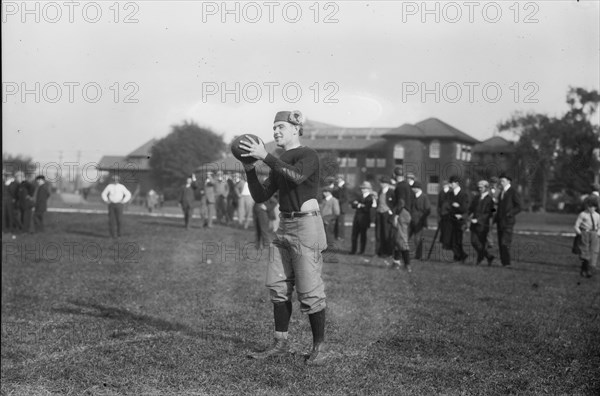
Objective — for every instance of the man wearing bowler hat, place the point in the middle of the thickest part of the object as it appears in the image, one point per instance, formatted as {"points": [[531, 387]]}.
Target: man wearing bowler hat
{"points": [[459, 208], [383, 220], [340, 192], [509, 205], [297, 261], [421, 208], [402, 189], [362, 217], [481, 211]]}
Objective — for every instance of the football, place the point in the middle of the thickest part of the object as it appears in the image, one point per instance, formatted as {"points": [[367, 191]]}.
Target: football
{"points": [[237, 151]]}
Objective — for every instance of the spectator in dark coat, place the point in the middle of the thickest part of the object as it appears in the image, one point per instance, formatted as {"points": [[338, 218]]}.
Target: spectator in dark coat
{"points": [[340, 192], [494, 191], [362, 217], [402, 190], [401, 222], [419, 212], [186, 199], [24, 201], [384, 242], [509, 205], [444, 216], [9, 190], [480, 212], [459, 208], [40, 197]]}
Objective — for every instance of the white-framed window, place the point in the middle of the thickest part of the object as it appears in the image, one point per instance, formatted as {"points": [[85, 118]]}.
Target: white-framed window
{"points": [[463, 152], [381, 162], [398, 154], [370, 161], [434, 149], [433, 185], [342, 161], [398, 151], [466, 153], [352, 161]]}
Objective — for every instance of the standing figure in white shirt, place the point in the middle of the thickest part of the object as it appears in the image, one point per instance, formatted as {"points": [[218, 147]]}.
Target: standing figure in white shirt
{"points": [[115, 195], [587, 227]]}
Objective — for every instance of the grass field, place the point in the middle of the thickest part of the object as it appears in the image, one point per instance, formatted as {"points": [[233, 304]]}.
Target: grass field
{"points": [[165, 311]]}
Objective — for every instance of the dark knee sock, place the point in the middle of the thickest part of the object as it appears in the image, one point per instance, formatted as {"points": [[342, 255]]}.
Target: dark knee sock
{"points": [[584, 265], [317, 324], [406, 257], [282, 311]]}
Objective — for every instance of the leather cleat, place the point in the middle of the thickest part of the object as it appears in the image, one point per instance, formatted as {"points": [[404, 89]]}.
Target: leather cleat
{"points": [[280, 347], [318, 356]]}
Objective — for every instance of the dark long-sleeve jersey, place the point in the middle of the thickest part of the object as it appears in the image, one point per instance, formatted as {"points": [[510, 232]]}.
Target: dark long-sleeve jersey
{"points": [[295, 175]]}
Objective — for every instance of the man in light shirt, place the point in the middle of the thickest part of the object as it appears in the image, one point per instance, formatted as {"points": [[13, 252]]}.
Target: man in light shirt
{"points": [[115, 195], [245, 204]]}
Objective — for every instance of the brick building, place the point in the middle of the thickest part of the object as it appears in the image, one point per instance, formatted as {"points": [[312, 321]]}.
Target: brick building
{"points": [[494, 156], [431, 149]]}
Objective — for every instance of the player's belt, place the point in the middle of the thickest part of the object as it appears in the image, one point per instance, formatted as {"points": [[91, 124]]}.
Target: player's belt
{"points": [[291, 215]]}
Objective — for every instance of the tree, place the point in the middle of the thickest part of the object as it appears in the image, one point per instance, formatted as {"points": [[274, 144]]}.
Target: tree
{"points": [[13, 163], [556, 153], [577, 164], [180, 153], [536, 150]]}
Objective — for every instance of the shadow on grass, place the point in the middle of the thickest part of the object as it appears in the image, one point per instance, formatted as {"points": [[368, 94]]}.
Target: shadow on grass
{"points": [[163, 223], [354, 260], [210, 333], [94, 234]]}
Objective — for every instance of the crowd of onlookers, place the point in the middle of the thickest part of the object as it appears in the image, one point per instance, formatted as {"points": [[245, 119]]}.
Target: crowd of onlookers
{"points": [[24, 202], [399, 209]]}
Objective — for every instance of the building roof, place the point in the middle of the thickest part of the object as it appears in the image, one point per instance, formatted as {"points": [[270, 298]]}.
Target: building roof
{"points": [[435, 128], [405, 130], [377, 144], [431, 128], [144, 150], [317, 124], [138, 159], [120, 163], [316, 130], [494, 144], [341, 133], [111, 162]]}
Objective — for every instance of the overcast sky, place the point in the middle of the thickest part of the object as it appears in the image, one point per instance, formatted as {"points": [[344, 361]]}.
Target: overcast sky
{"points": [[356, 63]]}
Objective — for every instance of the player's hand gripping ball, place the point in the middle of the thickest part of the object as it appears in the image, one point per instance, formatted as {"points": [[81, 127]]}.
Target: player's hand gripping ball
{"points": [[237, 151]]}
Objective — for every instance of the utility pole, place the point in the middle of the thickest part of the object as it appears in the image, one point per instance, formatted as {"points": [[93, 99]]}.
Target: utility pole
{"points": [[60, 175], [77, 170]]}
